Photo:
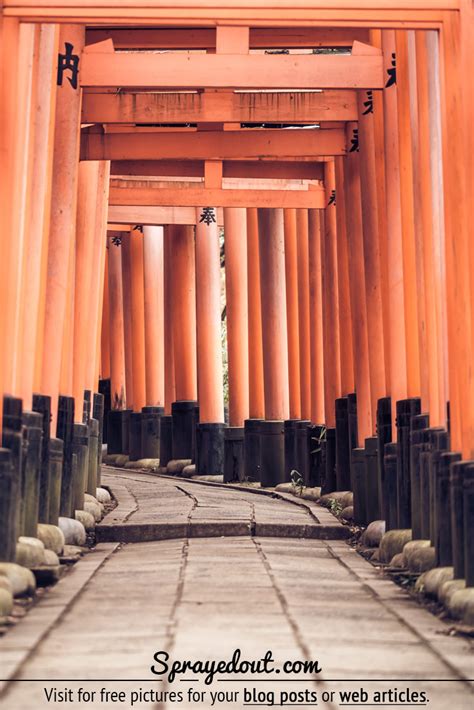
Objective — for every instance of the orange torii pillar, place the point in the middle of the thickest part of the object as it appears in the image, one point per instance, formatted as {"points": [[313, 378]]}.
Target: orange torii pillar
{"points": [[235, 245], [403, 336], [275, 344], [118, 399], [138, 341], [166, 422], [354, 227], [210, 430], [346, 413], [128, 339], [293, 338], [332, 364], [154, 341], [184, 410], [303, 434], [256, 386], [61, 250], [380, 403], [104, 363], [318, 426]]}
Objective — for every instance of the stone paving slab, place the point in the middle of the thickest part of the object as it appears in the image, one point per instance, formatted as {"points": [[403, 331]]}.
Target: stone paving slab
{"points": [[153, 507]]}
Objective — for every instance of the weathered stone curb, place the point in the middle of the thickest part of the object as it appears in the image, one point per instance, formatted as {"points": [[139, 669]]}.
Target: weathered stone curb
{"points": [[22, 640]]}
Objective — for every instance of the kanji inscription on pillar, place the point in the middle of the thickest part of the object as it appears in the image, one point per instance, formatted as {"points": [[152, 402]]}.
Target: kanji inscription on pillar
{"points": [[369, 103], [68, 62], [392, 72], [332, 198], [208, 216], [354, 141]]}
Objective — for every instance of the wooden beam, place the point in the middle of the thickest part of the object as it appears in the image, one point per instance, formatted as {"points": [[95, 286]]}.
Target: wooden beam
{"points": [[198, 195], [132, 214], [205, 38], [279, 144], [265, 107], [289, 170], [231, 71]]}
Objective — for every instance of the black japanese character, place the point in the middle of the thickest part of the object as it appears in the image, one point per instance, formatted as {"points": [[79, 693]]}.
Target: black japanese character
{"points": [[68, 62], [332, 198], [369, 104], [208, 215], [392, 72], [354, 141], [138, 228], [117, 240]]}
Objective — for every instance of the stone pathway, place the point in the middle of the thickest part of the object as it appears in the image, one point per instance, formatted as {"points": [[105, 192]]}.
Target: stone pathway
{"points": [[154, 508], [202, 598]]}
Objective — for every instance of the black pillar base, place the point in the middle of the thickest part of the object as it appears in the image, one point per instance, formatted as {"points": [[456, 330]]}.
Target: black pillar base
{"points": [[33, 423], [329, 484], [353, 427], [234, 469], [360, 484], [440, 444], [316, 434], [390, 468], [272, 453], [459, 472], [166, 439], [80, 447], [64, 431], [194, 451], [118, 431], [444, 537], [104, 389], [151, 432], [12, 438], [135, 437], [210, 449], [252, 449], [92, 474], [86, 406], [291, 447], [56, 453], [406, 410], [372, 500], [418, 438], [384, 436], [8, 486], [468, 515], [184, 429], [303, 448], [98, 413], [343, 452]]}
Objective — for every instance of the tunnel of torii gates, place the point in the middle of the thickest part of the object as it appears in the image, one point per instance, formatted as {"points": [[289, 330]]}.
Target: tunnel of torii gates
{"points": [[308, 166]]}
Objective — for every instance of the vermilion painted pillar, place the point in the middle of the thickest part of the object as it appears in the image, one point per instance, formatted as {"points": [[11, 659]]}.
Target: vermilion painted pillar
{"points": [[166, 423], [98, 275], [66, 384], [293, 321], [345, 321], [154, 327], [63, 207], [105, 339], [303, 311], [184, 342], [116, 329], [37, 218], [88, 186], [395, 261], [210, 439], [379, 148], [413, 281], [235, 235], [127, 316], [316, 322], [138, 319], [372, 262], [332, 369], [236, 285], [357, 287], [436, 204], [457, 183], [170, 389], [275, 348], [256, 386]]}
